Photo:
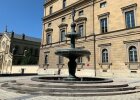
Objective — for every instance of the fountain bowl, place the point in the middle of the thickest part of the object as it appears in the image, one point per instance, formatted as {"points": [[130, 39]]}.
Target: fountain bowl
{"points": [[72, 52]]}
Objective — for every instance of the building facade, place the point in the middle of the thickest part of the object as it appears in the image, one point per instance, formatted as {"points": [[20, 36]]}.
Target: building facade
{"points": [[17, 49], [110, 30]]}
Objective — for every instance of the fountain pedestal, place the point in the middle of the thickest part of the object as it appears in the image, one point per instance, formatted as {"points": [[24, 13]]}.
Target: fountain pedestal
{"points": [[72, 53]]}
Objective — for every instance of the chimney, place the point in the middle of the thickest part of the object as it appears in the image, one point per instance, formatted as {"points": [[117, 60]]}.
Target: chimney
{"points": [[23, 36], [12, 34]]}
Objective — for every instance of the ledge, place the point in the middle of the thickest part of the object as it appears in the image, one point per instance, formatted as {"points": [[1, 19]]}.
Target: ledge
{"points": [[107, 44], [68, 8], [104, 14], [49, 29], [63, 25], [81, 19], [105, 63], [129, 6], [131, 41]]}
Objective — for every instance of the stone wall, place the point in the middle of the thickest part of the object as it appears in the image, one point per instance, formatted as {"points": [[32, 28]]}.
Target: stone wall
{"points": [[28, 69]]}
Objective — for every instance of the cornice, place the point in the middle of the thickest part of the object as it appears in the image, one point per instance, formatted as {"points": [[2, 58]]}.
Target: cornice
{"points": [[68, 8], [81, 19], [63, 25], [49, 2], [49, 29], [129, 6], [104, 14], [107, 44]]}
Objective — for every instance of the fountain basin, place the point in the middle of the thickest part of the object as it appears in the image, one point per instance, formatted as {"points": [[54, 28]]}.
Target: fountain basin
{"points": [[78, 80], [72, 53]]}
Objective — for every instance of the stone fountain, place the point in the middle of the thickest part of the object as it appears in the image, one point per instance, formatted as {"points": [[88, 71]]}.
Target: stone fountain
{"points": [[72, 53]]}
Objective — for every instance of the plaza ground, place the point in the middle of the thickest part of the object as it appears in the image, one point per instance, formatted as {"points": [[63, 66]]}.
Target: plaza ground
{"points": [[9, 95]]}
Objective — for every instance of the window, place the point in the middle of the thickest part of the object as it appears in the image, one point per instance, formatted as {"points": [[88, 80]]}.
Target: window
{"points": [[49, 24], [129, 19], [103, 4], [60, 60], [64, 4], [46, 59], [81, 13], [63, 19], [133, 54], [79, 60], [81, 30], [62, 35], [104, 56], [7, 48], [51, 8], [16, 50], [48, 38], [103, 24]]}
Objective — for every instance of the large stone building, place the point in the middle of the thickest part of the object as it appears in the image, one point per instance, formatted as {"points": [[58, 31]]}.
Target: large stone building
{"points": [[110, 29], [15, 49]]}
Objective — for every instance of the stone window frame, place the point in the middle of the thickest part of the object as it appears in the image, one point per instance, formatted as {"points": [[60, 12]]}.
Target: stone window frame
{"points": [[81, 13], [102, 16], [49, 24], [132, 7], [103, 3], [105, 51], [46, 65], [64, 4], [60, 65], [62, 27], [51, 10], [134, 59], [102, 47], [129, 44], [79, 60], [63, 19], [7, 49], [49, 31], [81, 21], [60, 60]]}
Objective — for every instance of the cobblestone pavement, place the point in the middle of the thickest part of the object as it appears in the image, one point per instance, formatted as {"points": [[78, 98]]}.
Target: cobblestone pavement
{"points": [[6, 95]]}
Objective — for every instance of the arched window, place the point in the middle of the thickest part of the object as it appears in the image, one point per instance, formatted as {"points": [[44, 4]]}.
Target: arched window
{"points": [[46, 59], [133, 54], [104, 56]]}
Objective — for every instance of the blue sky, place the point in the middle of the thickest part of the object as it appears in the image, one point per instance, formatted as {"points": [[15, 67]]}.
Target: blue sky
{"points": [[22, 16]]}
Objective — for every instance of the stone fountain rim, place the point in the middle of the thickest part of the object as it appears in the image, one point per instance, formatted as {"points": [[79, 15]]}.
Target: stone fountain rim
{"points": [[105, 80]]}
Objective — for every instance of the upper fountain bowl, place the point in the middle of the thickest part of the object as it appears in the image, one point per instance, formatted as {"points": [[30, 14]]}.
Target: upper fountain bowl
{"points": [[73, 34], [72, 52]]}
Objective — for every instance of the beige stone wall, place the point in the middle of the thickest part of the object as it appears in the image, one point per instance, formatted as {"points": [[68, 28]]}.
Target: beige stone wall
{"points": [[57, 6], [118, 48], [29, 69], [116, 19], [56, 21], [116, 40]]}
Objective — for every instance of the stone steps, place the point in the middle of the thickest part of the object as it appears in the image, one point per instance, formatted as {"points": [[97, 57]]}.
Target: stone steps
{"points": [[93, 93], [60, 89]]}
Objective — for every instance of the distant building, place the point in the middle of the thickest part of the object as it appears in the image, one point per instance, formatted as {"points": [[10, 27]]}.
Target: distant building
{"points": [[17, 49]]}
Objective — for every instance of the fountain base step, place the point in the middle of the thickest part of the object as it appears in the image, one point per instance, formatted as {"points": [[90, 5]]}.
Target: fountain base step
{"points": [[68, 89]]}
